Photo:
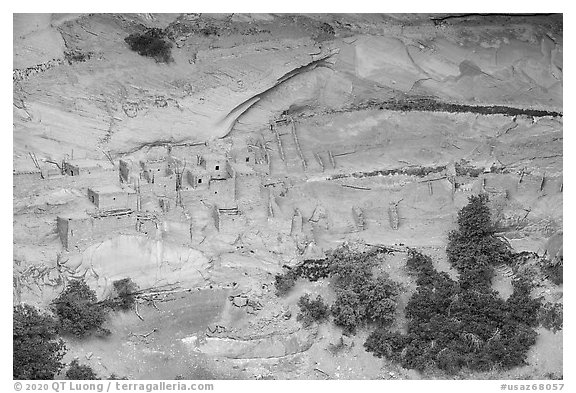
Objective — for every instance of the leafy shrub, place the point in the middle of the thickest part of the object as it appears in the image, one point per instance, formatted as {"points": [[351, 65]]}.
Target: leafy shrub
{"points": [[347, 310], [76, 56], [123, 294], [386, 344], [80, 371], [284, 282], [361, 298], [78, 312], [312, 310], [465, 252], [473, 249], [463, 168], [521, 306], [37, 350], [151, 43], [312, 269], [474, 219], [463, 324], [352, 269], [379, 299], [325, 32], [450, 361], [554, 270], [419, 263], [551, 316], [449, 328], [209, 30]]}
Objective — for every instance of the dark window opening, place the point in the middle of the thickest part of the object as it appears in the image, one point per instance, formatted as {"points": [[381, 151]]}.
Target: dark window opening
{"points": [[217, 167], [199, 181], [247, 159]]}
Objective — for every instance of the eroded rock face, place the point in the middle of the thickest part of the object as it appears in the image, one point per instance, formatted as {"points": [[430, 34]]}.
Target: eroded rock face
{"points": [[275, 346], [109, 99], [240, 301], [147, 261]]}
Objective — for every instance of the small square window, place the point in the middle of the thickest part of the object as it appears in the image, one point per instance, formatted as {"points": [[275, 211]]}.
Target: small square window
{"points": [[247, 159], [217, 167], [199, 181]]}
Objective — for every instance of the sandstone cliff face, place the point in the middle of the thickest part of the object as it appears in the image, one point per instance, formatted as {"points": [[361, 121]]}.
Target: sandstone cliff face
{"points": [[268, 66], [349, 116]]}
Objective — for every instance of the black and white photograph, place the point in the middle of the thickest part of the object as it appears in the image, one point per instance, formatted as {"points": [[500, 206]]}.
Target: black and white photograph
{"points": [[200, 197]]}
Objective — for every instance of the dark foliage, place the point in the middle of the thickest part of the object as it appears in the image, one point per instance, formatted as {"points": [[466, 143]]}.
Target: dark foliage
{"points": [[210, 30], [384, 343], [80, 371], [152, 43], [554, 270], [426, 104], [77, 310], [419, 171], [450, 328], [312, 269], [419, 264], [463, 168], [347, 310], [551, 316], [284, 282], [379, 299], [123, 295], [76, 56], [465, 251], [325, 32], [463, 324], [37, 349], [473, 249], [350, 269], [474, 219], [361, 298], [521, 307], [312, 310]]}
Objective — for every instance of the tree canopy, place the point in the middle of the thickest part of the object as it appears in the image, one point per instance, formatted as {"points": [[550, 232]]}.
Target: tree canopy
{"points": [[151, 43], [454, 324], [77, 310], [37, 351], [80, 371]]}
